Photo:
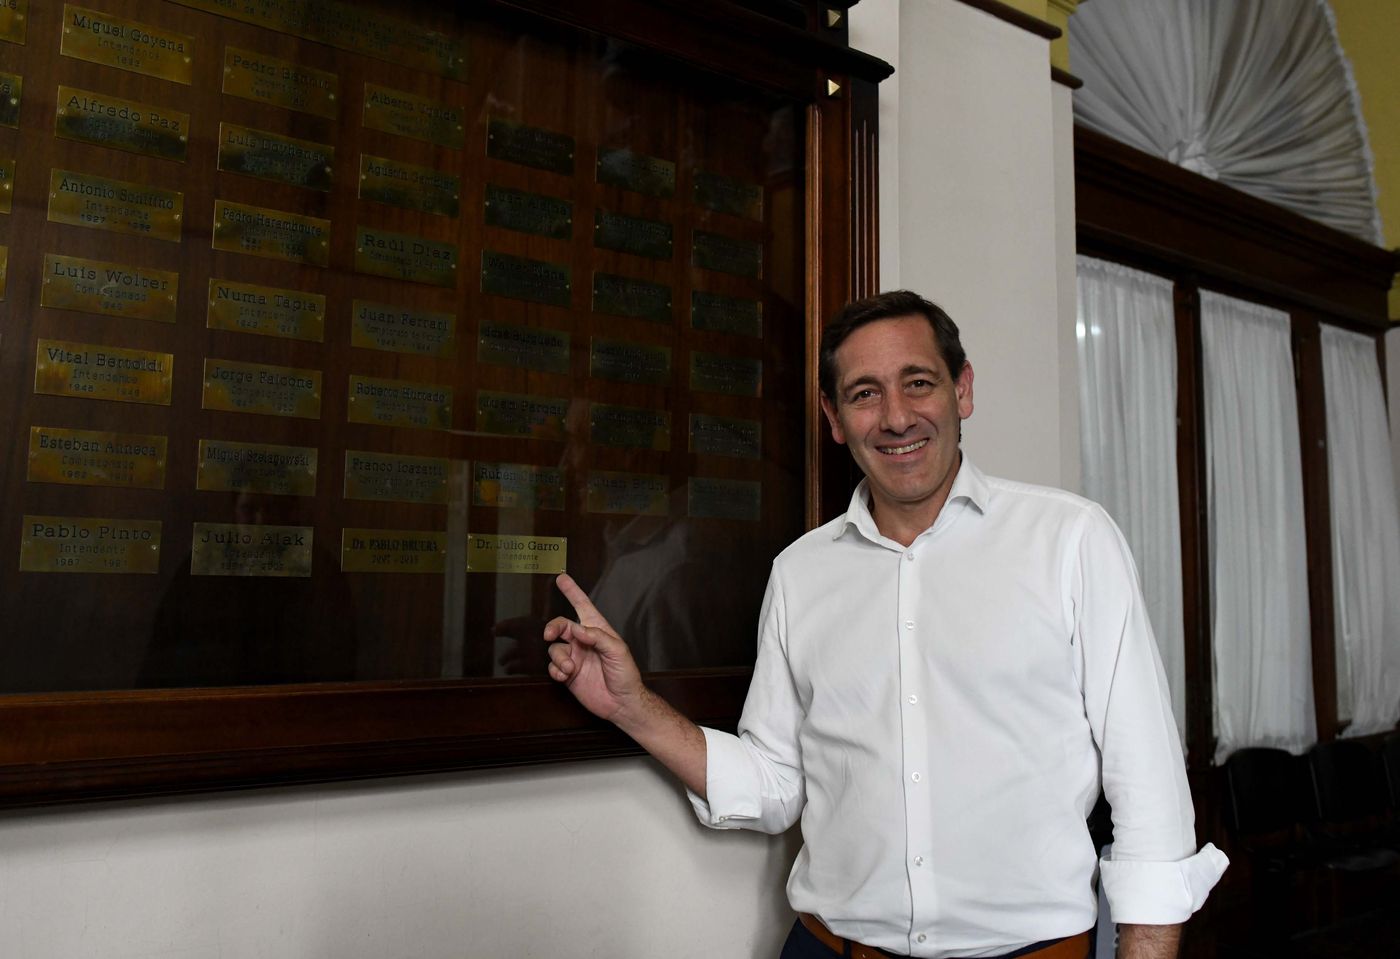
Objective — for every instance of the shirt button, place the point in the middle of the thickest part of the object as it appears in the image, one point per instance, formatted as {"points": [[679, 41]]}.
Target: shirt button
{"points": [[908, 624], [913, 700], [722, 819], [922, 937], [917, 777], [918, 860], [909, 556]]}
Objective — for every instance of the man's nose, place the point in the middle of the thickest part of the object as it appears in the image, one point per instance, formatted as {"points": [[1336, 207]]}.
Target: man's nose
{"points": [[898, 415]]}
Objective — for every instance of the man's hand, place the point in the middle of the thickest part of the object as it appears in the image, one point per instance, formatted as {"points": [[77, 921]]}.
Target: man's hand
{"points": [[1148, 942]]}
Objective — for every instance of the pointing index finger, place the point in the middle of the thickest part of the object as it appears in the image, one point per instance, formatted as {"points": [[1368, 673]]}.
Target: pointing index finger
{"points": [[588, 614]]}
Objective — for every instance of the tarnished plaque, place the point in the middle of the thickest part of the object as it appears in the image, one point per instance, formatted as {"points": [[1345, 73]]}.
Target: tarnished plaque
{"points": [[102, 372], [530, 146], [90, 458], [281, 83], [518, 414], [274, 234], [517, 486], [391, 478], [724, 499], [726, 314], [632, 234], [726, 195], [126, 44], [248, 308], [529, 212], [80, 544], [271, 156], [718, 373], [392, 551], [523, 346], [640, 493], [11, 88], [7, 184], [625, 296], [637, 172], [121, 124], [632, 426], [398, 329], [82, 199], [236, 549], [403, 256], [111, 289], [400, 403], [516, 554], [726, 436], [727, 254], [629, 362], [258, 388], [257, 468], [409, 186], [521, 278], [14, 20], [409, 115]]}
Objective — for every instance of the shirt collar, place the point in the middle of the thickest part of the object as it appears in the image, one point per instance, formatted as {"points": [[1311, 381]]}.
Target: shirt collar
{"points": [[970, 485]]}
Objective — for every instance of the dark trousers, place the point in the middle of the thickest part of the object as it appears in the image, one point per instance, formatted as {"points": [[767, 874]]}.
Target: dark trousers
{"points": [[801, 944]]}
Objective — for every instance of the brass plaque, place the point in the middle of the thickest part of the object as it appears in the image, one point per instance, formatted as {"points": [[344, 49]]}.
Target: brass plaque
{"points": [[109, 289], [518, 414], [409, 115], [267, 310], [90, 458], [726, 314], [398, 329], [718, 373], [129, 125], [644, 494], [11, 88], [724, 499], [530, 146], [517, 486], [7, 185], [4, 269], [637, 172], [529, 212], [126, 44], [523, 346], [271, 156], [102, 373], [632, 426], [400, 403], [516, 554], [257, 388], [235, 549], [258, 231], [726, 436], [629, 362], [392, 551], [79, 544], [281, 83], [403, 256], [407, 185], [519, 278], [82, 199], [391, 478], [257, 468], [632, 234], [727, 254], [625, 296], [727, 195], [14, 20]]}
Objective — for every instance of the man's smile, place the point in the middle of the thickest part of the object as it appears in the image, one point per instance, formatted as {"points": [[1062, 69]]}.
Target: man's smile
{"points": [[897, 450]]}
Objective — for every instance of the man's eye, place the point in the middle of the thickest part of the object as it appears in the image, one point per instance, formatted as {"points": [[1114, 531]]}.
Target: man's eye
{"points": [[861, 395], [920, 386]]}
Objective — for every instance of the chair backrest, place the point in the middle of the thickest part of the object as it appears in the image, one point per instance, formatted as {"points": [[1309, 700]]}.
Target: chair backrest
{"points": [[1390, 755], [1264, 791], [1347, 782]]}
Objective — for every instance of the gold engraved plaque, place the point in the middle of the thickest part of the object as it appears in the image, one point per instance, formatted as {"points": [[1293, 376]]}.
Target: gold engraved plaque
{"points": [[530, 146], [504, 344], [625, 296], [724, 499], [403, 256], [126, 44], [392, 551], [409, 115], [517, 414], [726, 195], [631, 426], [409, 186], [102, 373], [129, 125], [110, 289], [271, 156], [398, 329], [271, 233], [11, 87], [516, 554], [520, 278], [247, 308], [632, 234], [7, 184], [281, 83], [14, 20], [529, 212], [79, 544], [718, 373], [390, 478], [725, 436], [256, 468], [517, 486], [236, 549], [629, 362], [727, 254], [256, 388], [90, 458], [726, 314], [82, 199], [400, 403], [637, 172], [644, 494]]}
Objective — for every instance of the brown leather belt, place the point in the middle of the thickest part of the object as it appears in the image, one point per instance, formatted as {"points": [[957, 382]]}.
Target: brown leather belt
{"points": [[1075, 947]]}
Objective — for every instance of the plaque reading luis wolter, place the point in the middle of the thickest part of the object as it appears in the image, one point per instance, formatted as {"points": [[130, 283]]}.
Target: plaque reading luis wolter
{"points": [[109, 289]]}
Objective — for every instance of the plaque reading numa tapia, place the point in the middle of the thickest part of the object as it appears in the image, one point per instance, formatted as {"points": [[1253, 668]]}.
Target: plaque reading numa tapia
{"points": [[267, 310], [122, 124]]}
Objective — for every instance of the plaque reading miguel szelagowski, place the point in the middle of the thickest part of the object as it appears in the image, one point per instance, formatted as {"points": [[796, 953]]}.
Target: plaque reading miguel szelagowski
{"points": [[488, 553], [626, 296], [236, 549], [281, 83], [119, 206], [520, 278], [642, 494], [518, 414], [93, 458], [525, 347], [398, 329], [425, 406], [266, 310], [517, 486], [90, 371], [409, 186], [271, 156], [120, 124], [258, 388], [11, 88], [99, 37], [630, 426], [256, 468], [394, 478], [258, 231], [529, 146], [109, 289], [392, 551], [82, 544], [403, 256], [409, 115]]}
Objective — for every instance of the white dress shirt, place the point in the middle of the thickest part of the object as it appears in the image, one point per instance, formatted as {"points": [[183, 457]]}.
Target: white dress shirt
{"points": [[941, 716]]}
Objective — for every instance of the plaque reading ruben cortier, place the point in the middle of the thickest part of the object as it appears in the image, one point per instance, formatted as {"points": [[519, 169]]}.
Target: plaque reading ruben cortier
{"points": [[409, 115], [402, 256], [632, 234], [724, 499], [727, 254], [235, 549], [120, 124], [257, 468], [393, 478], [526, 347], [520, 278], [529, 212], [92, 458], [81, 544], [637, 172], [626, 362], [517, 414], [409, 186], [643, 494], [258, 231], [726, 314], [726, 436], [90, 371], [727, 195], [99, 203], [529, 146], [126, 44], [626, 296], [516, 554], [281, 83], [425, 406], [271, 156], [517, 486], [257, 388], [721, 373], [11, 88], [630, 426], [266, 310], [109, 289], [398, 329], [392, 551], [14, 20]]}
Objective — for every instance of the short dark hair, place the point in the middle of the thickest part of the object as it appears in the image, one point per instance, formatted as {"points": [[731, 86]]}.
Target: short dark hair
{"points": [[886, 306]]}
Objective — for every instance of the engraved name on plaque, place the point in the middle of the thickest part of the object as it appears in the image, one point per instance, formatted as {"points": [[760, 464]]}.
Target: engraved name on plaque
{"points": [[403, 256], [517, 486], [637, 172], [726, 314], [529, 146], [517, 414], [626, 296], [394, 478], [271, 233], [11, 89], [7, 184], [529, 212], [629, 426], [727, 254], [92, 458], [81, 544], [271, 156], [409, 186], [235, 549], [14, 20], [724, 499], [409, 115], [110, 289], [281, 83], [488, 553], [90, 371], [629, 362], [504, 344], [721, 373], [726, 436], [521, 278], [400, 403], [126, 44], [266, 310], [392, 551], [121, 124], [256, 467], [727, 195], [257, 388], [632, 234], [398, 329], [643, 494], [99, 203]]}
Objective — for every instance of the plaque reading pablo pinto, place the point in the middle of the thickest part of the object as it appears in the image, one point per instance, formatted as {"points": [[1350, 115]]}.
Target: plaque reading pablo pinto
{"points": [[726, 436], [726, 314], [80, 544], [409, 115], [530, 146], [632, 234], [518, 414], [517, 486], [392, 551], [529, 212], [11, 88], [726, 195], [727, 254], [520, 278], [398, 329], [257, 468], [525, 347], [271, 156], [425, 406], [281, 83], [719, 373], [121, 124], [637, 172], [99, 203], [724, 499], [236, 549], [391, 478], [516, 554], [126, 44], [91, 458], [7, 184], [629, 362], [271, 233], [625, 296], [266, 310], [258, 388], [14, 19], [409, 186], [95, 372], [403, 256], [109, 289], [631, 426], [643, 494]]}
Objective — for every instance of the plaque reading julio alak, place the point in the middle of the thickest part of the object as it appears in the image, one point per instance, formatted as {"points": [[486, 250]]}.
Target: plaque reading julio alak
{"points": [[91, 458], [629, 362], [271, 156], [727, 254], [637, 172], [409, 115], [400, 403], [398, 329], [11, 86], [235, 549], [517, 486], [516, 554], [409, 186], [726, 436], [392, 551], [402, 256], [257, 468], [281, 83], [271, 233], [526, 347], [643, 494], [516, 414], [625, 296], [632, 234], [529, 212], [96, 202], [258, 388], [94, 372], [726, 314], [391, 478], [121, 124], [632, 426], [110, 289], [126, 44], [530, 146], [80, 544], [266, 310], [521, 278]]}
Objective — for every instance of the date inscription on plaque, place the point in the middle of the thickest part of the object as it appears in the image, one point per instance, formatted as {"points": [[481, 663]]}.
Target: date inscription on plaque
{"points": [[637, 172], [625, 296], [271, 233], [520, 278], [516, 554], [400, 403], [632, 234], [525, 347], [11, 88], [517, 414], [109, 289], [529, 212], [632, 426], [392, 551], [409, 115], [724, 499], [129, 125], [726, 314], [726, 436], [530, 146], [257, 388], [629, 362], [643, 494], [82, 199], [271, 156], [95, 372], [719, 373], [80, 544], [398, 329], [517, 486], [727, 254], [248, 308], [281, 83], [409, 186], [391, 478], [126, 44], [726, 195], [403, 256], [257, 468], [91, 458], [235, 549]]}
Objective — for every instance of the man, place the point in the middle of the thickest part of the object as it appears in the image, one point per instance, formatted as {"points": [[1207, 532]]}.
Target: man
{"points": [[945, 676]]}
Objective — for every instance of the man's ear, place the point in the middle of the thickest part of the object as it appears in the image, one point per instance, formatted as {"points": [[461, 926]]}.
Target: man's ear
{"points": [[829, 408], [963, 387]]}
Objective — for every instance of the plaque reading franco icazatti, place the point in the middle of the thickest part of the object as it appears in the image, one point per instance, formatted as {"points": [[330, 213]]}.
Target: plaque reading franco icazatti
{"points": [[394, 478]]}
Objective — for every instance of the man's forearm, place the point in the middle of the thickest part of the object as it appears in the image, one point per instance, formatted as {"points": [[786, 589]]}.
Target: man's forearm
{"points": [[1148, 942], [673, 739]]}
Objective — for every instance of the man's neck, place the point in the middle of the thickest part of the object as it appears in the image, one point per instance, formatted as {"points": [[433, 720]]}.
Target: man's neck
{"points": [[904, 523]]}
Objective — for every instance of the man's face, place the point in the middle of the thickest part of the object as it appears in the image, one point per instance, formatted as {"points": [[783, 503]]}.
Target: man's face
{"points": [[898, 409]]}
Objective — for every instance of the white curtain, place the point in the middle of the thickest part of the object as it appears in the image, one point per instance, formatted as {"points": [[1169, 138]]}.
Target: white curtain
{"points": [[1127, 404], [1365, 534], [1258, 575]]}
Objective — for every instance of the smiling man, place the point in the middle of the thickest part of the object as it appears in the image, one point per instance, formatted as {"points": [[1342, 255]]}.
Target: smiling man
{"points": [[947, 674]]}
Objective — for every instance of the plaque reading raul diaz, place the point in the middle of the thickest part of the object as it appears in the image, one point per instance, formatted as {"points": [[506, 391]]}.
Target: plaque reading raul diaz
{"points": [[632, 234], [726, 436], [526, 347], [720, 373], [629, 362], [126, 44], [82, 199], [403, 256], [271, 156], [724, 499], [516, 554], [266, 310], [257, 388], [392, 478], [81, 544], [91, 458], [400, 403], [409, 115], [256, 468], [398, 329], [110, 289], [234, 549], [120, 124], [726, 314], [643, 494], [517, 486], [726, 195], [517, 414], [271, 233], [11, 87], [392, 551], [727, 254], [281, 83], [529, 212], [94, 372], [530, 146], [625, 296], [637, 172], [521, 278], [631, 426], [409, 186]]}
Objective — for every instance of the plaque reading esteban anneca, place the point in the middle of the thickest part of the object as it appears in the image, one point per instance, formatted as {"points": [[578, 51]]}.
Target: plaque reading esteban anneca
{"points": [[520, 278], [257, 388], [281, 83], [126, 44], [392, 478], [402, 256], [643, 494], [271, 233], [625, 296], [266, 310], [95, 372], [256, 468], [516, 554], [271, 156], [400, 403], [83, 199], [516, 414], [409, 186], [81, 544], [517, 486], [392, 551], [530, 146], [109, 289], [632, 426], [91, 458], [121, 124], [11, 86], [526, 347], [14, 18], [409, 115], [398, 329], [234, 549]]}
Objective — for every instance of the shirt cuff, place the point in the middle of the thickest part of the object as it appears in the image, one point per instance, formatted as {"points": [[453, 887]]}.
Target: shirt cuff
{"points": [[732, 800], [1160, 893]]}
